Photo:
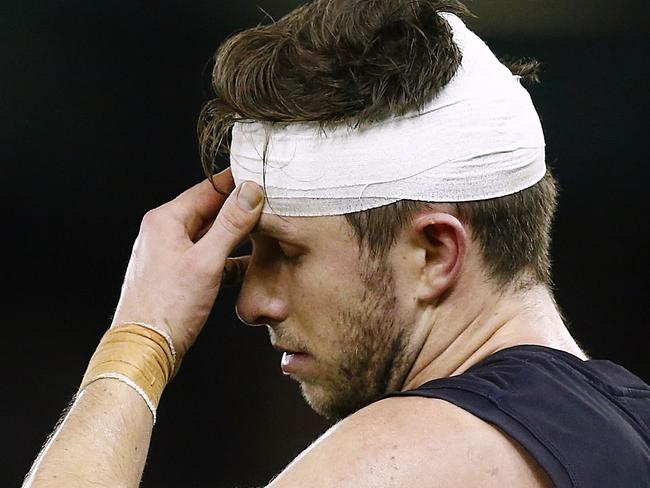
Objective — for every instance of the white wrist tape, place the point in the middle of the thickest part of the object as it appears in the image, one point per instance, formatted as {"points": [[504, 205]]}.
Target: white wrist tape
{"points": [[479, 138]]}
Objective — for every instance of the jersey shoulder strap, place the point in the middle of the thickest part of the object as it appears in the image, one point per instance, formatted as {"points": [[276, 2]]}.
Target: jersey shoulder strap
{"points": [[585, 422]]}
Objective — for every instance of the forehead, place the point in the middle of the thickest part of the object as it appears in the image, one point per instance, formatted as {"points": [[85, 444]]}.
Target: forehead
{"points": [[301, 227]]}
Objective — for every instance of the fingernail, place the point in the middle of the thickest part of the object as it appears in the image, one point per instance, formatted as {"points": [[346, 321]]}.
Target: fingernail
{"points": [[249, 196]]}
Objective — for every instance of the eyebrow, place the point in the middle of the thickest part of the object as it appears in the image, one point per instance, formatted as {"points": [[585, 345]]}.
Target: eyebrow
{"points": [[275, 229]]}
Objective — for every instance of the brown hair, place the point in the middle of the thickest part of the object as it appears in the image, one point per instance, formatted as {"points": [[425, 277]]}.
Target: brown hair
{"points": [[513, 232], [356, 62]]}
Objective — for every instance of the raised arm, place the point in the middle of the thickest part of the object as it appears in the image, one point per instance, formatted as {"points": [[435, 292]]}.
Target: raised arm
{"points": [[171, 283]]}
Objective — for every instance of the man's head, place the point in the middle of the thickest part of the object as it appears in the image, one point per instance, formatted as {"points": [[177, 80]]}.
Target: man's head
{"points": [[319, 296], [354, 291]]}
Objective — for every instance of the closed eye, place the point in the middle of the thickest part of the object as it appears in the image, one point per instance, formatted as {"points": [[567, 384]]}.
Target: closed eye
{"points": [[270, 246], [288, 251]]}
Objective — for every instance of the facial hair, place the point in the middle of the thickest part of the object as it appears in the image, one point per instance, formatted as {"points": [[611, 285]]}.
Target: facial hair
{"points": [[372, 356]]}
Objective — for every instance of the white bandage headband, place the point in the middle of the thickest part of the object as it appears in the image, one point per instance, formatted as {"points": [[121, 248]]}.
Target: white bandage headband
{"points": [[479, 138]]}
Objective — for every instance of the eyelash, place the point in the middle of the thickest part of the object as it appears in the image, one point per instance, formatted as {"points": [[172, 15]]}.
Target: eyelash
{"points": [[285, 255]]}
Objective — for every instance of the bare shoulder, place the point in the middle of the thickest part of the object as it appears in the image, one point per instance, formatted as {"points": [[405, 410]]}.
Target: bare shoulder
{"points": [[413, 441]]}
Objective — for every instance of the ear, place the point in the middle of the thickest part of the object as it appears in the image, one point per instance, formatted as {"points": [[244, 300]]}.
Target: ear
{"points": [[444, 241]]}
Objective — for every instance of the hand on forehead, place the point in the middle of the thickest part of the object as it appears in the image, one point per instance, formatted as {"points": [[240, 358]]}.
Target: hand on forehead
{"points": [[200, 204]]}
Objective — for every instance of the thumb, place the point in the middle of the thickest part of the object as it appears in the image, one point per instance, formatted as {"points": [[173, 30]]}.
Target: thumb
{"points": [[235, 220]]}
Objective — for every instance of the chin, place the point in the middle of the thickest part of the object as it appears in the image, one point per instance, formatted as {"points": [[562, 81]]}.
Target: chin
{"points": [[331, 403]]}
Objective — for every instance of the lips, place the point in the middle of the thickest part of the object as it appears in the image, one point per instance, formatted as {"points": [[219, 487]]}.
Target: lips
{"points": [[293, 359], [286, 350], [295, 362]]}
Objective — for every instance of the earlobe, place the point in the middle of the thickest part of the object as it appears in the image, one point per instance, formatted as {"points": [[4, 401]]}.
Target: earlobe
{"points": [[443, 239]]}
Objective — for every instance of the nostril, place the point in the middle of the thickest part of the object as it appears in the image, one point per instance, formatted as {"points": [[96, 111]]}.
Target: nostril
{"points": [[252, 324]]}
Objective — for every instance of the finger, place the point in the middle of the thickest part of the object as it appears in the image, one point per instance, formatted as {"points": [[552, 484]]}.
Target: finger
{"points": [[200, 233], [236, 219], [200, 204], [234, 270]]}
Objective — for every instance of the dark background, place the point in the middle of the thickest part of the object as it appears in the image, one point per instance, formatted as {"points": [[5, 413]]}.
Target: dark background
{"points": [[98, 108]]}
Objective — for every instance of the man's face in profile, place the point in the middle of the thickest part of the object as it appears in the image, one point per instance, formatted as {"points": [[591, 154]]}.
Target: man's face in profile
{"points": [[318, 296]]}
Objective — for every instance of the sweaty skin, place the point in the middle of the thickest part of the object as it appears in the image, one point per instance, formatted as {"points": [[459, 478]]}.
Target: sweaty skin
{"points": [[365, 328]]}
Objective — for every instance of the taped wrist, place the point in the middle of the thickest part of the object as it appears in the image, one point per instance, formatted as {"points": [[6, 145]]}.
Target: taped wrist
{"points": [[137, 354]]}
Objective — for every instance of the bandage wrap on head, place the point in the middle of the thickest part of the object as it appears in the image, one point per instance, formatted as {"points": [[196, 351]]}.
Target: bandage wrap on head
{"points": [[479, 138]]}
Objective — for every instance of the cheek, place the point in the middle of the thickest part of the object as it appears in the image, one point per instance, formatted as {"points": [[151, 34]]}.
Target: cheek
{"points": [[320, 291]]}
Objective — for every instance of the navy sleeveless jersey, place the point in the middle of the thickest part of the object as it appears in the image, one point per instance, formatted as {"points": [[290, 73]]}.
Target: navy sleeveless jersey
{"points": [[585, 422]]}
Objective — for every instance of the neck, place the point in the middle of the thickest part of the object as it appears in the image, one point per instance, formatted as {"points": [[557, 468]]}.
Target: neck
{"points": [[458, 336]]}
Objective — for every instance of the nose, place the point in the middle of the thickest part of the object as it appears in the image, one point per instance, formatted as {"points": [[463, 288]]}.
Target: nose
{"points": [[262, 299], [240, 318]]}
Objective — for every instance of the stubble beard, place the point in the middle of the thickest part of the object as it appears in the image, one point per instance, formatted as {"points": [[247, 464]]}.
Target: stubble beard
{"points": [[372, 358]]}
